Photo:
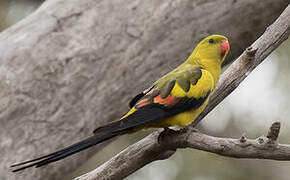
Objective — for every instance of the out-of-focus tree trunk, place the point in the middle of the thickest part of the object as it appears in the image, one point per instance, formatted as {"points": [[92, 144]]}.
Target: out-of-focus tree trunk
{"points": [[73, 65], [11, 11], [4, 6]]}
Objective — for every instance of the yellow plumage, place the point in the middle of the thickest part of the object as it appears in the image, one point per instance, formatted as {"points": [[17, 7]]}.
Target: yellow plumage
{"points": [[185, 118], [208, 57], [176, 99]]}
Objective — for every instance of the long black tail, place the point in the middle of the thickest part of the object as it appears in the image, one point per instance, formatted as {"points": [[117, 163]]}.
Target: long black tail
{"points": [[143, 116], [84, 144]]}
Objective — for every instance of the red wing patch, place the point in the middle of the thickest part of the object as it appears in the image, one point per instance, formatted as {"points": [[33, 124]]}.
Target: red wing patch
{"points": [[168, 101], [153, 97], [142, 102], [146, 100]]}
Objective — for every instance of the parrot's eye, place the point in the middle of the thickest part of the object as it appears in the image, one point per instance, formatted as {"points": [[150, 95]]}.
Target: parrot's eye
{"points": [[211, 41]]}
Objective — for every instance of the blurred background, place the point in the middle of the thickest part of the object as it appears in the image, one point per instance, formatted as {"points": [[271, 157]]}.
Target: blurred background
{"points": [[260, 100]]}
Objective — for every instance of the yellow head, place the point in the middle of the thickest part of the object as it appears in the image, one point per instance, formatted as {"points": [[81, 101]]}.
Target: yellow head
{"points": [[214, 47], [210, 53]]}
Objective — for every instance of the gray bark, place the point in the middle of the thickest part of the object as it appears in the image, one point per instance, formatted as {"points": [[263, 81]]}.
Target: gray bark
{"points": [[73, 65]]}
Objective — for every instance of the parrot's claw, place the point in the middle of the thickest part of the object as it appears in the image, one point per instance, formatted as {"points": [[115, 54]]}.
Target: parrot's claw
{"points": [[166, 132]]}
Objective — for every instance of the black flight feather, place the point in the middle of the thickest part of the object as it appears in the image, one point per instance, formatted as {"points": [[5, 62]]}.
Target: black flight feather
{"points": [[144, 115]]}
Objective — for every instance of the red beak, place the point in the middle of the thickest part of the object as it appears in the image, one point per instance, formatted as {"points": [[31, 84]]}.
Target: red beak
{"points": [[225, 47]]}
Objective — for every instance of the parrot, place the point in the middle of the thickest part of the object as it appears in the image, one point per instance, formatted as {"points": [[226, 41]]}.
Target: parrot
{"points": [[175, 99]]}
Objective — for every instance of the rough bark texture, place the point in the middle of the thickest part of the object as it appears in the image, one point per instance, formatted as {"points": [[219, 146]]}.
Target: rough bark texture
{"points": [[149, 149], [161, 146], [73, 65]]}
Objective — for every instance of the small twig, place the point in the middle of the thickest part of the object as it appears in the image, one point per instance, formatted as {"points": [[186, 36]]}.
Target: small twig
{"points": [[243, 138], [250, 52], [273, 132]]}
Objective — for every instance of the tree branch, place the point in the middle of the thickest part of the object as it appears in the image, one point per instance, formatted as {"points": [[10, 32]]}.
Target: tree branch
{"points": [[154, 148], [66, 68], [61, 65]]}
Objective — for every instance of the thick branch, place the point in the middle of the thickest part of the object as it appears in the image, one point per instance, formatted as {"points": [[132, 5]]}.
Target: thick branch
{"points": [[149, 149]]}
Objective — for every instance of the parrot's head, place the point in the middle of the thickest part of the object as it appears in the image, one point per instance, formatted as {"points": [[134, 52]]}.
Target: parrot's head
{"points": [[214, 47]]}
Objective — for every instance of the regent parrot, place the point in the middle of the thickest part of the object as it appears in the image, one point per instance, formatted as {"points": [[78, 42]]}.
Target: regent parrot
{"points": [[175, 99]]}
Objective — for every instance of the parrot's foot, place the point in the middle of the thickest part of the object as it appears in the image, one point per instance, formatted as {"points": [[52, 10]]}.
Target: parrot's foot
{"points": [[166, 132]]}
